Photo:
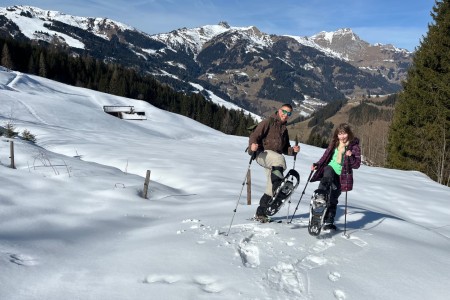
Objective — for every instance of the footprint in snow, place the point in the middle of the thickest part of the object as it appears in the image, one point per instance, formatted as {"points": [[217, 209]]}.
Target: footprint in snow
{"points": [[191, 221], [357, 241], [256, 229], [340, 295], [196, 226], [313, 261], [322, 245], [334, 276], [208, 284], [22, 260], [248, 253], [285, 277], [158, 278]]}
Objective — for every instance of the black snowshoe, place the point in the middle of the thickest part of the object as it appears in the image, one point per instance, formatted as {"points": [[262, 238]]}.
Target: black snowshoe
{"points": [[287, 187], [317, 211]]}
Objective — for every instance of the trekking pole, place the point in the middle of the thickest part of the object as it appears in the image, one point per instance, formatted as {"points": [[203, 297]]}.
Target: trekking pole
{"points": [[345, 217], [295, 158], [345, 211], [307, 181], [243, 184], [295, 155]]}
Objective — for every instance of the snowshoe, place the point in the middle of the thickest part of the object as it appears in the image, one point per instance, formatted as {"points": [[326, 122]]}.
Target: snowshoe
{"points": [[318, 209], [287, 187]]}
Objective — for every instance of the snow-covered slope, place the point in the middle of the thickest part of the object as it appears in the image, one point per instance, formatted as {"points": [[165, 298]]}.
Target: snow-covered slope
{"points": [[73, 224]]}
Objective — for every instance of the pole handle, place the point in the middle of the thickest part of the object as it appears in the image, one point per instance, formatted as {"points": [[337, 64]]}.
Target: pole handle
{"points": [[296, 144]]}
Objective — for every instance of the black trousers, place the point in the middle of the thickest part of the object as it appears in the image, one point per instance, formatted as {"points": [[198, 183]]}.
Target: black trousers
{"points": [[330, 178]]}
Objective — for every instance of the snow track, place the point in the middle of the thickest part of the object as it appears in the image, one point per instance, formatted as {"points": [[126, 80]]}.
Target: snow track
{"points": [[28, 108], [302, 262]]}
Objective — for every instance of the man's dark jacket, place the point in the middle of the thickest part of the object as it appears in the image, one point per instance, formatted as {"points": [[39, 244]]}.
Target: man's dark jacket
{"points": [[271, 134]]}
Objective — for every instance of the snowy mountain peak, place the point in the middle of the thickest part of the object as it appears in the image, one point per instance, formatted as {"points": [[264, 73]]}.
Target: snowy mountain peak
{"points": [[209, 53], [335, 36], [224, 24], [36, 23], [193, 39], [346, 37]]}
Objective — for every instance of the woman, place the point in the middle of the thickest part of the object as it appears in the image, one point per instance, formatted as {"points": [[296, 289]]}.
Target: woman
{"points": [[335, 169]]}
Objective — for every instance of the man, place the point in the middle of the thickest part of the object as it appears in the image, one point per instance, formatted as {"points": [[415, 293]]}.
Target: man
{"points": [[268, 142]]}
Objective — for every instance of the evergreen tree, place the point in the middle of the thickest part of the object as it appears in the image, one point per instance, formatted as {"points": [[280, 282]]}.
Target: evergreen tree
{"points": [[31, 65], [42, 65], [115, 87], [420, 131], [6, 58]]}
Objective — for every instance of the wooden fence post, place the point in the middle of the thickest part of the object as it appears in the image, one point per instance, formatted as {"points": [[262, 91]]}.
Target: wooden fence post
{"points": [[249, 187], [146, 183], [11, 151]]}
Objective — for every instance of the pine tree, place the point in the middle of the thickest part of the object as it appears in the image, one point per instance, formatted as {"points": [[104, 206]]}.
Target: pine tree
{"points": [[6, 58], [114, 83], [31, 65], [420, 131], [42, 65]]}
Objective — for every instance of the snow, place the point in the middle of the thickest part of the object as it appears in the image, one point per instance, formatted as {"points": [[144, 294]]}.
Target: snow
{"points": [[33, 26], [309, 42], [221, 102], [328, 36], [195, 38], [74, 226]]}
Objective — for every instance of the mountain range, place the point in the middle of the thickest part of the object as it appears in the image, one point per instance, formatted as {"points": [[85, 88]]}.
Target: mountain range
{"points": [[242, 65]]}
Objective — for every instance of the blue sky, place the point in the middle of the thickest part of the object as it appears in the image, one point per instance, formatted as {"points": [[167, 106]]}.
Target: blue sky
{"points": [[398, 22]]}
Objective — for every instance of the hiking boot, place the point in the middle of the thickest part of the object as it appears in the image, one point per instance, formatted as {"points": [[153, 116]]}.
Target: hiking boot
{"points": [[277, 178], [325, 183], [263, 204], [329, 226], [320, 199], [331, 213], [262, 219]]}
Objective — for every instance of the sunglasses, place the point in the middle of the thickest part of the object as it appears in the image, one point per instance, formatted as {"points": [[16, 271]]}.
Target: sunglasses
{"points": [[285, 112]]}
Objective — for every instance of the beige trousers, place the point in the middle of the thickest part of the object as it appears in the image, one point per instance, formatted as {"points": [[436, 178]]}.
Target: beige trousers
{"points": [[268, 159]]}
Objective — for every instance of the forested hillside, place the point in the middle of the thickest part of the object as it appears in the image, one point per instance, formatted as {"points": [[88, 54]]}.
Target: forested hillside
{"points": [[419, 135], [409, 130], [84, 71], [369, 117]]}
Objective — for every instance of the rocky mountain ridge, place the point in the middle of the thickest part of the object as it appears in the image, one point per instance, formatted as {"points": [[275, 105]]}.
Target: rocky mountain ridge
{"points": [[242, 65], [388, 60]]}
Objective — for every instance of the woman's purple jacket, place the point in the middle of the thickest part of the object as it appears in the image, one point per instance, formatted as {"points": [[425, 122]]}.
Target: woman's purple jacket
{"points": [[350, 163]]}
